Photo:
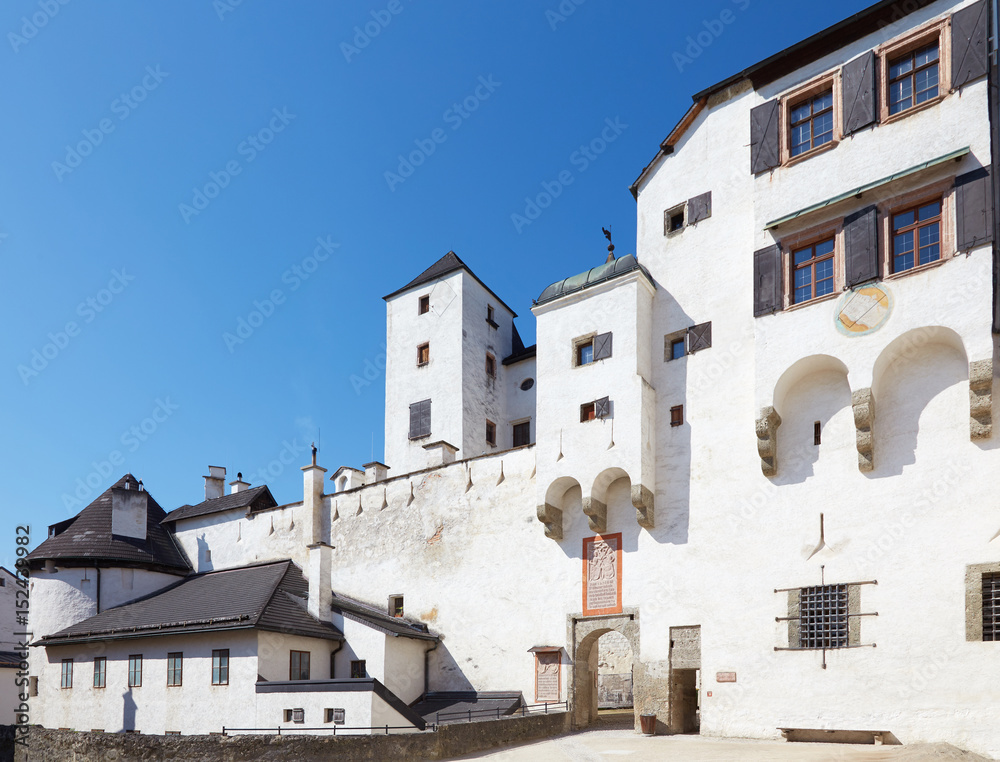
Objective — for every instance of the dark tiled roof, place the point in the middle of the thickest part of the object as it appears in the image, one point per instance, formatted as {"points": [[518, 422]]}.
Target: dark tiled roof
{"points": [[482, 704], [270, 596], [87, 536], [448, 264], [10, 660], [255, 498], [525, 354], [380, 620], [592, 277]]}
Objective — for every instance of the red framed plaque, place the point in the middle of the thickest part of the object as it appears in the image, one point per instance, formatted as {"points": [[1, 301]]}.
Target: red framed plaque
{"points": [[602, 574]]}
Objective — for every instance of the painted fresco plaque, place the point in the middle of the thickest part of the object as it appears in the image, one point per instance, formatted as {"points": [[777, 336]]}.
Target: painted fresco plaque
{"points": [[602, 575], [725, 677], [547, 676], [863, 310]]}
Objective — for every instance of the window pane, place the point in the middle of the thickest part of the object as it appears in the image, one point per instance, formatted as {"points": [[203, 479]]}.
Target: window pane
{"points": [[824, 286], [926, 84], [677, 349], [823, 102], [800, 112], [929, 234], [823, 248], [824, 269], [931, 210], [902, 243], [803, 277], [823, 127], [801, 136], [902, 263], [586, 354], [900, 67], [803, 294], [903, 220], [899, 96], [926, 55], [930, 254], [803, 255]]}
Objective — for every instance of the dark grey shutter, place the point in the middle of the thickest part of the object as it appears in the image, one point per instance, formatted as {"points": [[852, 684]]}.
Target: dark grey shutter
{"points": [[602, 346], [861, 246], [699, 337], [767, 280], [859, 93], [974, 209], [699, 208], [602, 407], [420, 419], [764, 150], [968, 44]]}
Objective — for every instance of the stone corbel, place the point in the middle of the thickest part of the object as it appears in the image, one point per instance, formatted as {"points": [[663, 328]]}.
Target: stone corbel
{"points": [[863, 402], [981, 399], [642, 499], [551, 517], [597, 514], [767, 440]]}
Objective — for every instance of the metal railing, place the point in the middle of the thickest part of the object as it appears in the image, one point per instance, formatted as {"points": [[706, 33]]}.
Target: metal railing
{"points": [[381, 729], [469, 714]]}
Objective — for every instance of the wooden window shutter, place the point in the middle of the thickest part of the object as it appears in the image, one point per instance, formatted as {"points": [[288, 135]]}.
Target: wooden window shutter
{"points": [[974, 209], [699, 208], [699, 337], [602, 407], [859, 93], [767, 280], [602, 346], [861, 246], [764, 151], [420, 419], [968, 44]]}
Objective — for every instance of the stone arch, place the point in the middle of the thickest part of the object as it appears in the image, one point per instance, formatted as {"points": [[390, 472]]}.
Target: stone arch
{"points": [[908, 344], [550, 512], [595, 505], [583, 686]]}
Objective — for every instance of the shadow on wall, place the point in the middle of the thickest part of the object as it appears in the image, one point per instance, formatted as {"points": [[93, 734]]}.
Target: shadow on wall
{"points": [[203, 562], [128, 710], [446, 673], [918, 395]]}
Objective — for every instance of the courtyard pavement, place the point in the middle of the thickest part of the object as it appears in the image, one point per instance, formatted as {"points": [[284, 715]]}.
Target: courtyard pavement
{"points": [[604, 744]]}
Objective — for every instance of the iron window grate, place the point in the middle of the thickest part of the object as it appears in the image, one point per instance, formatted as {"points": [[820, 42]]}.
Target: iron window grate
{"points": [[991, 607], [823, 617]]}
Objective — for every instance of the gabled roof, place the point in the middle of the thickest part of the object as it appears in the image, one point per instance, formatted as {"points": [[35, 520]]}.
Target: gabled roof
{"points": [[255, 499], [380, 620], [87, 537], [448, 264], [270, 596], [592, 277]]}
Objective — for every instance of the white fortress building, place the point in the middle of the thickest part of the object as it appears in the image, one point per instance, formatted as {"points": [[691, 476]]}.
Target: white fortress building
{"points": [[760, 450]]}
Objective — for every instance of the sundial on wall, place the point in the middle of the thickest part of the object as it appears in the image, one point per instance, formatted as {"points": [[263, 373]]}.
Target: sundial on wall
{"points": [[863, 310]]}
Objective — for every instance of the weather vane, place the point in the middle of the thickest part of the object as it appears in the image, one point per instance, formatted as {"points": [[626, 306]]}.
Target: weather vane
{"points": [[611, 246]]}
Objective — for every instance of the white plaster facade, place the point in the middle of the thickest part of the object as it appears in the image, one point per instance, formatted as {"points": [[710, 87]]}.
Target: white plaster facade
{"points": [[711, 540]]}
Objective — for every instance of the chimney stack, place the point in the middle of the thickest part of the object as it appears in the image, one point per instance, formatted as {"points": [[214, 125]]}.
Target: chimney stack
{"points": [[128, 512], [215, 482], [312, 503], [320, 593], [375, 472], [239, 485], [440, 453]]}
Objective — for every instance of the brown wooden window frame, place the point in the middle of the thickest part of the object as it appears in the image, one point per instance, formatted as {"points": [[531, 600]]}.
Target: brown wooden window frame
{"points": [[828, 81], [291, 664], [491, 365], [677, 415], [943, 191], [135, 671], [424, 304], [914, 228], [220, 666], [66, 674], [491, 433], [395, 605], [175, 669], [588, 412], [359, 669], [521, 426], [802, 240], [892, 51], [100, 671], [811, 119], [578, 351], [811, 264], [423, 354]]}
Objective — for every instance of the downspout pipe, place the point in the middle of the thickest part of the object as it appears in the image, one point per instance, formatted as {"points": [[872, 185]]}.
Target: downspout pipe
{"points": [[333, 653], [98, 570], [993, 90], [427, 666]]}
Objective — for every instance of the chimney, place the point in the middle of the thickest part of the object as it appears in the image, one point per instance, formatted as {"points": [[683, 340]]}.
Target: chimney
{"points": [[375, 472], [215, 482], [128, 513], [320, 594], [239, 485], [440, 453], [312, 504]]}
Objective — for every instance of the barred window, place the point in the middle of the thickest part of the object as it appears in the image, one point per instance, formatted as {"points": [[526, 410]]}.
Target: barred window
{"points": [[991, 607], [823, 617]]}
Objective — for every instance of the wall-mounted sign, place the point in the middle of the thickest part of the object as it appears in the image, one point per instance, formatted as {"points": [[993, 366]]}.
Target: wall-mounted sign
{"points": [[547, 685], [725, 677], [602, 575]]}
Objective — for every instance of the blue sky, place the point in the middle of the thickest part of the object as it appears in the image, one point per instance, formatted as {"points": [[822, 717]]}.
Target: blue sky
{"points": [[170, 168]]}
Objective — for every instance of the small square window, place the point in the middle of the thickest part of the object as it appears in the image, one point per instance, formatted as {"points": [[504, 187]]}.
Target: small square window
{"points": [[588, 412], [336, 716], [585, 353], [991, 606], [677, 349], [522, 434], [491, 365], [673, 220], [823, 616], [423, 354], [395, 605], [424, 305], [358, 669], [677, 415], [491, 433]]}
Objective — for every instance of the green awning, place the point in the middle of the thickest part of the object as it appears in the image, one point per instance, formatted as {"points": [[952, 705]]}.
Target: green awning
{"points": [[956, 155]]}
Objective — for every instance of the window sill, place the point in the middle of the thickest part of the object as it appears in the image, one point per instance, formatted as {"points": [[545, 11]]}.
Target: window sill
{"points": [[422, 436], [817, 300], [492, 324], [423, 364], [890, 118], [793, 160], [917, 269]]}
